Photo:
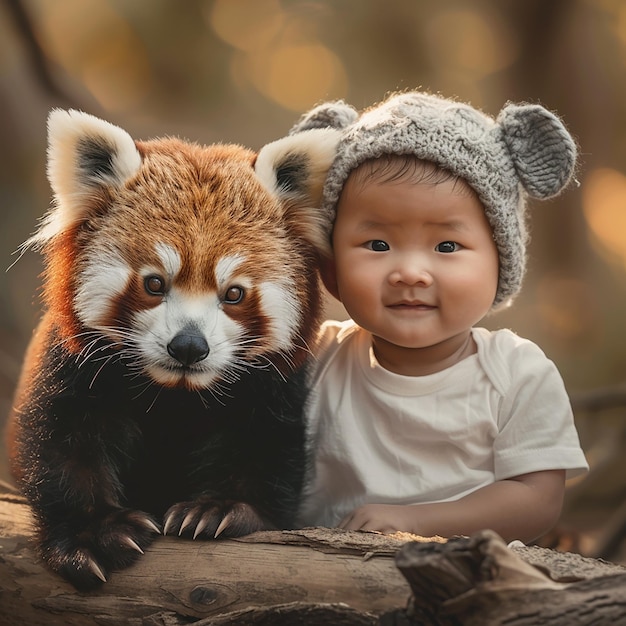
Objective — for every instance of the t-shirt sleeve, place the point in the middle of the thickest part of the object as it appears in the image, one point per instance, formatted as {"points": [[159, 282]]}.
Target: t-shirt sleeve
{"points": [[535, 421], [331, 333]]}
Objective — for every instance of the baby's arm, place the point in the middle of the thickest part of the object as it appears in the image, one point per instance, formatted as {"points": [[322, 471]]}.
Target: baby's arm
{"points": [[523, 507]]}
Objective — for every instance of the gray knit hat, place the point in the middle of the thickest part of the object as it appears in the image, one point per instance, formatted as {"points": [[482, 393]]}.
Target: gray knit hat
{"points": [[526, 151]]}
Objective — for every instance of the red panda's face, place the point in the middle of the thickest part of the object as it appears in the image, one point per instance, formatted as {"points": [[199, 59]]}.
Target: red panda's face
{"points": [[191, 265], [196, 282]]}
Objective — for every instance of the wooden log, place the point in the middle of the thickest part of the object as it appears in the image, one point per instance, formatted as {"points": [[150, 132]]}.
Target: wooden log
{"points": [[315, 577], [479, 581], [323, 576]]}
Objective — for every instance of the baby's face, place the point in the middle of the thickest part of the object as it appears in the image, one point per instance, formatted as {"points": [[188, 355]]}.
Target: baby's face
{"points": [[416, 264]]}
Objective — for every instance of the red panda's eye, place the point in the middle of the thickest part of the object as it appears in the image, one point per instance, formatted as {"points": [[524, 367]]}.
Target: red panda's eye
{"points": [[154, 285], [234, 295]]}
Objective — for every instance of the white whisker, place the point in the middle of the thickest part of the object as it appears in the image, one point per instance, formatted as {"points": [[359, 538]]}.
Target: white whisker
{"points": [[156, 397], [104, 364]]}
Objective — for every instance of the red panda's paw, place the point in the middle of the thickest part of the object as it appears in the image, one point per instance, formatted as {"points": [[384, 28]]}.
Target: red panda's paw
{"points": [[206, 518], [77, 564], [111, 543]]}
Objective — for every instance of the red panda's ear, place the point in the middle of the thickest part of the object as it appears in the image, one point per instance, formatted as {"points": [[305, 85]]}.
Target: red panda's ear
{"points": [[294, 169], [84, 154]]}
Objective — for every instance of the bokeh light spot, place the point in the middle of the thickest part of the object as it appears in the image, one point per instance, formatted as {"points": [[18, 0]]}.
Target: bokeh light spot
{"points": [[246, 25], [299, 76], [604, 206], [294, 76]]}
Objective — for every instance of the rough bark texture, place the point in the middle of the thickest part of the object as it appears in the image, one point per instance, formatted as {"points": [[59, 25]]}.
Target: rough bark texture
{"points": [[478, 581], [309, 577], [314, 577]]}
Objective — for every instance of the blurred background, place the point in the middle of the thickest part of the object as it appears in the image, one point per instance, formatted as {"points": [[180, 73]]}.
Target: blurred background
{"points": [[243, 71]]}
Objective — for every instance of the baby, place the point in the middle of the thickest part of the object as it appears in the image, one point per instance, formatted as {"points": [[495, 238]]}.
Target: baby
{"points": [[421, 421]]}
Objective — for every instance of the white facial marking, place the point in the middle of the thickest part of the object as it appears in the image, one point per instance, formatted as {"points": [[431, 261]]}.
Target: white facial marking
{"points": [[105, 277], [170, 258], [226, 268], [281, 307]]}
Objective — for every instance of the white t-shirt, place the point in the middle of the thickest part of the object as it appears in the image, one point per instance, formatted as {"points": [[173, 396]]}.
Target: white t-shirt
{"points": [[380, 437]]}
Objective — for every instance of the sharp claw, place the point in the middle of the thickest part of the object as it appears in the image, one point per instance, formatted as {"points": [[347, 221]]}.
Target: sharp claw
{"points": [[169, 524], [95, 568], [148, 523], [223, 525], [133, 544], [187, 521], [204, 520]]}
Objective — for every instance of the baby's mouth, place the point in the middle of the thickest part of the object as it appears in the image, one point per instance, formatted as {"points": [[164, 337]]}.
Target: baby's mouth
{"points": [[416, 305]]}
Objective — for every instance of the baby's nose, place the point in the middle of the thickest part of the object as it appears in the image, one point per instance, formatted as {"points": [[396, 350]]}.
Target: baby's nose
{"points": [[413, 271]]}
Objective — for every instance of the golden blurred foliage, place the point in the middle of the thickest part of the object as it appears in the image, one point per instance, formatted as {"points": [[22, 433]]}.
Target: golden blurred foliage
{"points": [[105, 52], [275, 53]]}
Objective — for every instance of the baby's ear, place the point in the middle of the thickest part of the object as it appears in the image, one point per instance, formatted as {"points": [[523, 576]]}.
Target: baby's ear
{"points": [[336, 114], [543, 151], [329, 276], [294, 169]]}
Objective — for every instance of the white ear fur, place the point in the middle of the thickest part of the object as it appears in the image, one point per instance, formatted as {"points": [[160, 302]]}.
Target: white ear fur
{"points": [[85, 153], [297, 165], [294, 169]]}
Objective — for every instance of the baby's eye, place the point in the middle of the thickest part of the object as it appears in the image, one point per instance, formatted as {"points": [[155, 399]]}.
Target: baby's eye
{"points": [[447, 246], [377, 245]]}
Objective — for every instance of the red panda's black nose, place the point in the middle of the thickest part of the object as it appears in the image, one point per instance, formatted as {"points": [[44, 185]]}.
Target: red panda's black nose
{"points": [[188, 348]]}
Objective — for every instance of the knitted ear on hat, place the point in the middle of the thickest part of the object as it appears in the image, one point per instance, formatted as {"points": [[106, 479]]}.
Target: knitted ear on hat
{"points": [[328, 115], [542, 150]]}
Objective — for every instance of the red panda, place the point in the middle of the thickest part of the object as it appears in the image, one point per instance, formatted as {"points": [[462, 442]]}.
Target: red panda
{"points": [[163, 390]]}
